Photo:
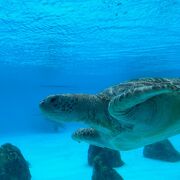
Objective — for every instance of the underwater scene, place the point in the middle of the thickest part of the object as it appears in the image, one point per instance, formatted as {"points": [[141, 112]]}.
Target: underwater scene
{"points": [[90, 90]]}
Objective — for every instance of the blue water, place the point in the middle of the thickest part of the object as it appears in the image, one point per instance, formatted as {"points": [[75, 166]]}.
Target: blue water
{"points": [[49, 47]]}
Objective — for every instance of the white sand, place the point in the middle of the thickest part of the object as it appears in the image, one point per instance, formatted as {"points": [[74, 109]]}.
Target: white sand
{"points": [[58, 157]]}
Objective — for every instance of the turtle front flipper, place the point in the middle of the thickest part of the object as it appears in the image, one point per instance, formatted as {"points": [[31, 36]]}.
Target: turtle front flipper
{"points": [[91, 136], [130, 98]]}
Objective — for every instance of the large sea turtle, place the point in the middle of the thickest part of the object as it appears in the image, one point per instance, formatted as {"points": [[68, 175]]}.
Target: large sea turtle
{"points": [[123, 117]]}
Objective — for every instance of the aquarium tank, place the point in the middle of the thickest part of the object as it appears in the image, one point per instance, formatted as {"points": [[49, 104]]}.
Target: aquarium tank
{"points": [[57, 59]]}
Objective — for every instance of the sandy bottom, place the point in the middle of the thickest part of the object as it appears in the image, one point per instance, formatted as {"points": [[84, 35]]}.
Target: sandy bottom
{"points": [[58, 157]]}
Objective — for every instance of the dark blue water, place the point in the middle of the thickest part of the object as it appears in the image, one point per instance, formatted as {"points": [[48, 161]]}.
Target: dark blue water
{"points": [[49, 47]]}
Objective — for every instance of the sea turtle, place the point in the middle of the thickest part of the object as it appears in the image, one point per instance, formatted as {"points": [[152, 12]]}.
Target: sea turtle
{"points": [[123, 117]]}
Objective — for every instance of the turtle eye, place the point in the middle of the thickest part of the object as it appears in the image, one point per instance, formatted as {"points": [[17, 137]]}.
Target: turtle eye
{"points": [[52, 100]]}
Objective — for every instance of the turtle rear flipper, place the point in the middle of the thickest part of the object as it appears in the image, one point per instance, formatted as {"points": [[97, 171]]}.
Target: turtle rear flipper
{"points": [[131, 98]]}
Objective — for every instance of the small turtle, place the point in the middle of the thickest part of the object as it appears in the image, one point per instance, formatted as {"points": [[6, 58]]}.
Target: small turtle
{"points": [[123, 117]]}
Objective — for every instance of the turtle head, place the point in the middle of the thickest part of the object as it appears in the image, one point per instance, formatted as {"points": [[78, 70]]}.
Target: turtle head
{"points": [[69, 107]]}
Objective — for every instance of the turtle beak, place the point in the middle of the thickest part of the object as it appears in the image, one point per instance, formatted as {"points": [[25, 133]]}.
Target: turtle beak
{"points": [[41, 104], [45, 106]]}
